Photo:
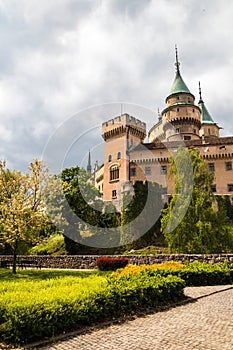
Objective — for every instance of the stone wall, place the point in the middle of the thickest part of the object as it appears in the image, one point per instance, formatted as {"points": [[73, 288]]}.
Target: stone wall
{"points": [[89, 261]]}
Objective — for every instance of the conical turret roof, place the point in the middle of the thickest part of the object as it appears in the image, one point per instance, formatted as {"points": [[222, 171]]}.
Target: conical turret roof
{"points": [[178, 84], [205, 115]]}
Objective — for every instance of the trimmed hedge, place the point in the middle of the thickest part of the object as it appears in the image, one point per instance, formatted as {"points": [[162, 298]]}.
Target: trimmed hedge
{"points": [[194, 274], [24, 321], [111, 264]]}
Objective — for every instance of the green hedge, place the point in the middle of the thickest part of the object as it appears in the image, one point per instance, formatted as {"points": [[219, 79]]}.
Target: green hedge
{"points": [[198, 274], [29, 320]]}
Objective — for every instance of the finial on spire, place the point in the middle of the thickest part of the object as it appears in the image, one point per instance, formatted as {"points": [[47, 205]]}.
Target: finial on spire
{"points": [[200, 92], [159, 115], [177, 64]]}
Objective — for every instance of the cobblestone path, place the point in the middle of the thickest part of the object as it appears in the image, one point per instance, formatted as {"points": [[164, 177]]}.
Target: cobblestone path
{"points": [[206, 324]]}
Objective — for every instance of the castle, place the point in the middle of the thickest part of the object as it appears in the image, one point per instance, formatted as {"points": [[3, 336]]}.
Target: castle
{"points": [[182, 122]]}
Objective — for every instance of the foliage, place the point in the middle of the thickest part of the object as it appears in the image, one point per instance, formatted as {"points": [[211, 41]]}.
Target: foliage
{"points": [[22, 210], [194, 274], [91, 213], [31, 310], [53, 245], [204, 227], [105, 263], [131, 269], [140, 218]]}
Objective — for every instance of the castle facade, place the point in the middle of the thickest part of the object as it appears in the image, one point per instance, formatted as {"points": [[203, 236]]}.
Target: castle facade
{"points": [[128, 158]]}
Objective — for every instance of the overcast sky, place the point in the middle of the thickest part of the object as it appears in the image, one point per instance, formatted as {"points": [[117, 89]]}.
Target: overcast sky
{"points": [[60, 58]]}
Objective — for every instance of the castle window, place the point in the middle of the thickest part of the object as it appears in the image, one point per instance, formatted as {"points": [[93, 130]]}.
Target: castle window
{"points": [[194, 131], [193, 110], [187, 138], [208, 131], [178, 97], [213, 188], [230, 187], [110, 158], [114, 194], [163, 170], [228, 165], [132, 171], [178, 109], [114, 173], [119, 155], [147, 170], [177, 130], [211, 167]]}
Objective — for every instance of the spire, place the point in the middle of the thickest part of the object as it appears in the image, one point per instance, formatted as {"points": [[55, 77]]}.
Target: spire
{"points": [[205, 115], [89, 163], [200, 101], [178, 84], [177, 64]]}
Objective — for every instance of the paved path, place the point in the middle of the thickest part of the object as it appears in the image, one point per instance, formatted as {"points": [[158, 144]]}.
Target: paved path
{"points": [[206, 324]]}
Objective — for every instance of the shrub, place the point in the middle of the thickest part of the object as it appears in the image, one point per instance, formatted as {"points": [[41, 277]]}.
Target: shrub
{"points": [[111, 263], [194, 274], [32, 311]]}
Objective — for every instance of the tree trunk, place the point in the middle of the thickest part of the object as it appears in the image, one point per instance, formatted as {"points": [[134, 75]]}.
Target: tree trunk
{"points": [[14, 257]]}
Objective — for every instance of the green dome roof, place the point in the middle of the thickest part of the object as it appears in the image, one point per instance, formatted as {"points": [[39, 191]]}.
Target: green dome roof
{"points": [[179, 85]]}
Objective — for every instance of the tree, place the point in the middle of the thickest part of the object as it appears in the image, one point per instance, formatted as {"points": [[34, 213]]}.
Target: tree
{"points": [[91, 214], [196, 224], [140, 218], [22, 211]]}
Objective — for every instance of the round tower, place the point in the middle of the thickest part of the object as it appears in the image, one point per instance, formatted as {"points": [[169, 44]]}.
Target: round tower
{"points": [[183, 115]]}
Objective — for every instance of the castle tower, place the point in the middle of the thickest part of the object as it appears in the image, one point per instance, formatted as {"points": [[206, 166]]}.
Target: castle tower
{"points": [[120, 135], [181, 112], [208, 126]]}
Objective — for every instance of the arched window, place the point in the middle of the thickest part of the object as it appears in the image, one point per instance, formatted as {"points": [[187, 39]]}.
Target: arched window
{"points": [[110, 158], [119, 155], [114, 173]]}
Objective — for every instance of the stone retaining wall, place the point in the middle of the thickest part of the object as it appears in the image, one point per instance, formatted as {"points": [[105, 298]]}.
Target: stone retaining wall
{"points": [[89, 261]]}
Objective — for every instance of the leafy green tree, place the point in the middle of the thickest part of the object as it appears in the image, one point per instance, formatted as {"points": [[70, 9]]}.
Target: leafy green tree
{"points": [[22, 210], [203, 228], [85, 201], [140, 218]]}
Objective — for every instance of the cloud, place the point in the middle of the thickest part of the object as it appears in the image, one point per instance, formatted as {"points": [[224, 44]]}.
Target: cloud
{"points": [[62, 56]]}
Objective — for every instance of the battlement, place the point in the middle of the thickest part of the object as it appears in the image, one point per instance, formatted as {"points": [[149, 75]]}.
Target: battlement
{"points": [[123, 121]]}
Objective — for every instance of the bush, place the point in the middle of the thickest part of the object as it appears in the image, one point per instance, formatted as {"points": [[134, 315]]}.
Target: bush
{"points": [[194, 274], [32, 311], [111, 264]]}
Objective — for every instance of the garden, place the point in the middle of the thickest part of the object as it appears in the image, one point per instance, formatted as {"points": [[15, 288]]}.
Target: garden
{"points": [[40, 304]]}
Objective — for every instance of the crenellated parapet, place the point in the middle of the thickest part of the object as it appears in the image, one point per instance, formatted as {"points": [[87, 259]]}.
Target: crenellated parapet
{"points": [[124, 124]]}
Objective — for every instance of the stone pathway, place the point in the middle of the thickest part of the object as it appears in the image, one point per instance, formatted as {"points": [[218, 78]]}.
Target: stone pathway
{"points": [[206, 324]]}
